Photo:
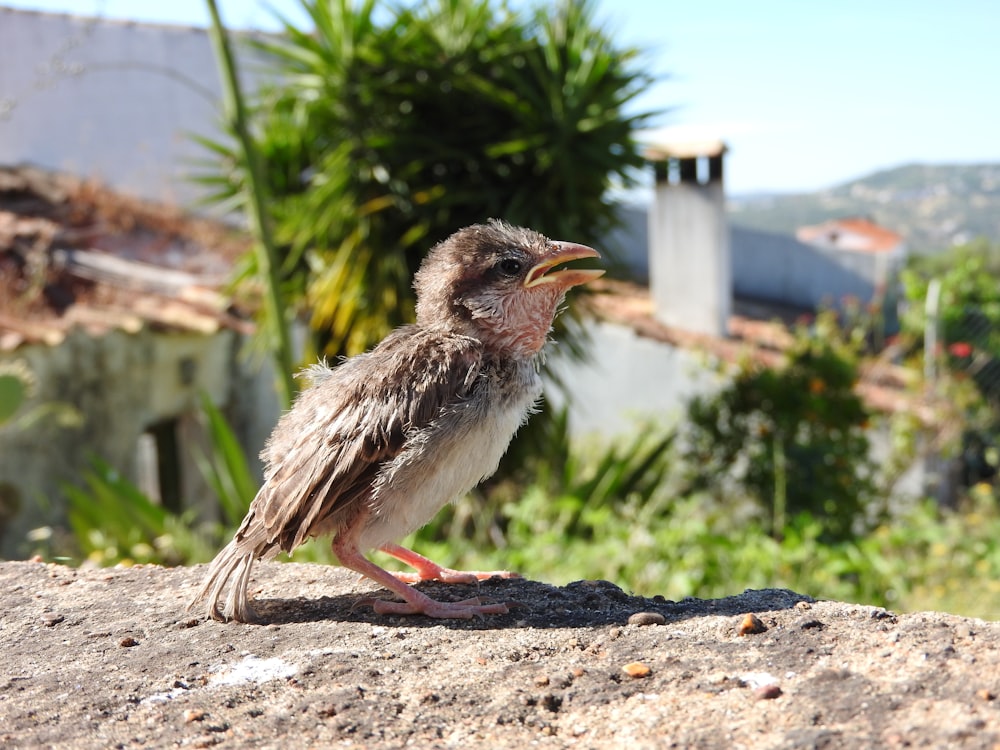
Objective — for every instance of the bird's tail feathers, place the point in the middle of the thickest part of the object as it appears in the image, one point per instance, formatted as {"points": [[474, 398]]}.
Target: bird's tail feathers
{"points": [[233, 564]]}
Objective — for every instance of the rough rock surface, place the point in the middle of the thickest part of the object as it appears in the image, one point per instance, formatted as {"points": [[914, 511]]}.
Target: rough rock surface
{"points": [[110, 658]]}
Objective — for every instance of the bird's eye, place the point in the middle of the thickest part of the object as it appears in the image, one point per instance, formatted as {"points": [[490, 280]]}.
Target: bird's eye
{"points": [[509, 266]]}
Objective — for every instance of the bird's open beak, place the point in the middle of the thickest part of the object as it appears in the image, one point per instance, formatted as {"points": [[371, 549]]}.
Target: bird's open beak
{"points": [[562, 252]]}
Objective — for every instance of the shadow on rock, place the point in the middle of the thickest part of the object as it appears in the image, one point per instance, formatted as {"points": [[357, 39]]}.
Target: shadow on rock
{"points": [[532, 604]]}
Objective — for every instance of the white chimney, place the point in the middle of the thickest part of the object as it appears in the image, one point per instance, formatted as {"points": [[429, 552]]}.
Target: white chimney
{"points": [[690, 274]]}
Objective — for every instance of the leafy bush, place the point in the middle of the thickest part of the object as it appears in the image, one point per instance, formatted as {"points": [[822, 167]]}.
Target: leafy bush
{"points": [[792, 439], [225, 467], [114, 522], [694, 546], [17, 389], [394, 125], [16, 384]]}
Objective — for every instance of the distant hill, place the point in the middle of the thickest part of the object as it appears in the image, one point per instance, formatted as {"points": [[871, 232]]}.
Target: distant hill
{"points": [[933, 207]]}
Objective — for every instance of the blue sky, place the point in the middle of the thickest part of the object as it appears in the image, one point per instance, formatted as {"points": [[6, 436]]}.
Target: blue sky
{"points": [[806, 94]]}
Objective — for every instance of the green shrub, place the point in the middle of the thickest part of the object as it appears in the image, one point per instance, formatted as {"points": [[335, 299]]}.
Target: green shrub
{"points": [[393, 125], [792, 439], [113, 521], [922, 559]]}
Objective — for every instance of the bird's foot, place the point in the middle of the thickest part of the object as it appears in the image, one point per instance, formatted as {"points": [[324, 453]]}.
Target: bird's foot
{"points": [[428, 570], [463, 610], [447, 575], [414, 602]]}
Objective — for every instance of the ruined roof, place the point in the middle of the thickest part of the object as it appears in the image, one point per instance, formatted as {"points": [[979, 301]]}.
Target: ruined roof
{"points": [[74, 254], [855, 233]]}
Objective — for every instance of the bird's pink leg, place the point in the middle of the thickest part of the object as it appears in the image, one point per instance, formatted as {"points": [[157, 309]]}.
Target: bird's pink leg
{"points": [[428, 570], [414, 602]]}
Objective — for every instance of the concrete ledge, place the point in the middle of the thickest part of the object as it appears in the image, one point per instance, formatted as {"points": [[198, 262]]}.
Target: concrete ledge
{"points": [[109, 658]]}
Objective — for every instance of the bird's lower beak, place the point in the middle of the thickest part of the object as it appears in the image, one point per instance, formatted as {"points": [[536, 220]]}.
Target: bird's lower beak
{"points": [[562, 252]]}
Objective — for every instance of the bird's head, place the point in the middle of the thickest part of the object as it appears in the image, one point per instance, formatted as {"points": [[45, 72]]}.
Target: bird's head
{"points": [[499, 284]]}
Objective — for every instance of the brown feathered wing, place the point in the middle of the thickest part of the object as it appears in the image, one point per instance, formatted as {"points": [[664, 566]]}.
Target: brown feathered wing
{"points": [[326, 451]]}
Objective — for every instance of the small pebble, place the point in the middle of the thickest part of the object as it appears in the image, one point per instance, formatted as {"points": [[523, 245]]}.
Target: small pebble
{"points": [[647, 618], [637, 669], [51, 619], [194, 714], [758, 679], [767, 692], [964, 631], [128, 642], [542, 680], [985, 695], [803, 605], [751, 625], [327, 710]]}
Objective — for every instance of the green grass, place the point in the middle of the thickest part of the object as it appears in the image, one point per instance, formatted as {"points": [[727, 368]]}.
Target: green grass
{"points": [[616, 514], [924, 559]]}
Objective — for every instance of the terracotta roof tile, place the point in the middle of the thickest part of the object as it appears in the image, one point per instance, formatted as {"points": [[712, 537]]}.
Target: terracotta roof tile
{"points": [[856, 233]]}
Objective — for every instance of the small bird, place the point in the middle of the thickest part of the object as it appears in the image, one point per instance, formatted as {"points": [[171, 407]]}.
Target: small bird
{"points": [[371, 450]]}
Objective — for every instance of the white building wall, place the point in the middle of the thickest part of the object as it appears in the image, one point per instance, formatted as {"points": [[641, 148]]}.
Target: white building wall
{"points": [[629, 381], [109, 100]]}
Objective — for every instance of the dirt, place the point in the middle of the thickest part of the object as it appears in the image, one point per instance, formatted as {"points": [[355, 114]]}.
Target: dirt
{"points": [[110, 658]]}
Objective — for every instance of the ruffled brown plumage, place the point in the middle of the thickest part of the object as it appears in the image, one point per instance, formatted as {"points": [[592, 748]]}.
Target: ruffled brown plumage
{"points": [[373, 448]]}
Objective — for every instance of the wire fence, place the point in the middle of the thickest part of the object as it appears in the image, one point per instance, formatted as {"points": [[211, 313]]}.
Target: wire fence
{"points": [[972, 346], [964, 343]]}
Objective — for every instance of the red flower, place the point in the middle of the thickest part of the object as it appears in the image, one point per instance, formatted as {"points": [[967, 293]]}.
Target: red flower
{"points": [[960, 349]]}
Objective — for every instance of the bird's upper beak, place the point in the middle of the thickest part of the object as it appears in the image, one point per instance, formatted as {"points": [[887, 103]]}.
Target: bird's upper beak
{"points": [[561, 252]]}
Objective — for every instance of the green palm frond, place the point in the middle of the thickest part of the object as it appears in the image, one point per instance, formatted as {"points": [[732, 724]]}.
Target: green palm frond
{"points": [[391, 127]]}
